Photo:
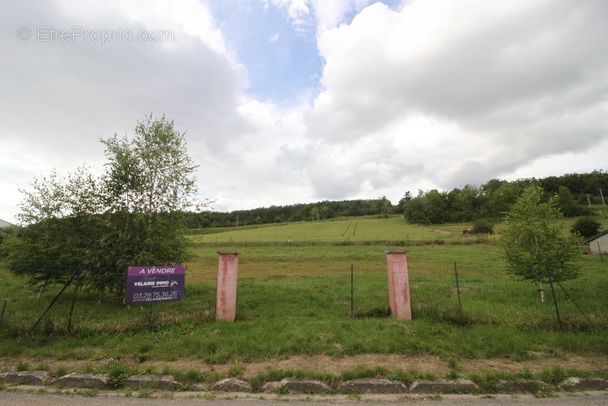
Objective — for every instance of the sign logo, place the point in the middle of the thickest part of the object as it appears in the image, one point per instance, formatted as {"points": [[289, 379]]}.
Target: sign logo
{"points": [[153, 284]]}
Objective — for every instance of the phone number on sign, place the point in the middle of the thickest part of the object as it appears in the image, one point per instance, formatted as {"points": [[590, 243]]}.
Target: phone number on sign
{"points": [[151, 296]]}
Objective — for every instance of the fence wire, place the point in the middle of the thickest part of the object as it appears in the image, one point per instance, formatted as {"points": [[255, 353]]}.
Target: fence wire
{"points": [[322, 289]]}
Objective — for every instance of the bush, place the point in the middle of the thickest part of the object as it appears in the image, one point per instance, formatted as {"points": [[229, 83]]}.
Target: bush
{"points": [[482, 227], [586, 227], [5, 234]]}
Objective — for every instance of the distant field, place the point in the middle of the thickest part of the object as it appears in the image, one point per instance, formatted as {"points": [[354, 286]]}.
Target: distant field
{"points": [[357, 229]]}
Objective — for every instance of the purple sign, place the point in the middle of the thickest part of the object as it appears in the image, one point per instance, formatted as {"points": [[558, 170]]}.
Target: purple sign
{"points": [[152, 284]]}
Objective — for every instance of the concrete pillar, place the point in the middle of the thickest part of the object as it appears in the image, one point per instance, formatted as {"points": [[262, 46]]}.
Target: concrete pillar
{"points": [[225, 307], [398, 285]]}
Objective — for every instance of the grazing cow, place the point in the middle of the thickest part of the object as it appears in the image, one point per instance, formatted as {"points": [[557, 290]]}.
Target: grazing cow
{"points": [[467, 231]]}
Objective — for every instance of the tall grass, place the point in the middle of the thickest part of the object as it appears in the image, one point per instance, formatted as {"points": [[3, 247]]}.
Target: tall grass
{"points": [[297, 301]]}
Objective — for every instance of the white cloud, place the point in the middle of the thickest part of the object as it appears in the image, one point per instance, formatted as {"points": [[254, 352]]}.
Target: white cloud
{"points": [[497, 86], [60, 98], [436, 94], [186, 15]]}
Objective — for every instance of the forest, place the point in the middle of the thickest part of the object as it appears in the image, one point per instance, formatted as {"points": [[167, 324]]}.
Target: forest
{"points": [[489, 201]]}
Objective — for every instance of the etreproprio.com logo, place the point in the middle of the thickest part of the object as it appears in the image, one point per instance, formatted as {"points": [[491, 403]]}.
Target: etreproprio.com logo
{"points": [[101, 36]]}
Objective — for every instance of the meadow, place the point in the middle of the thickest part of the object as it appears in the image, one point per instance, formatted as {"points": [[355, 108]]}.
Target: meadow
{"points": [[296, 300], [358, 230]]}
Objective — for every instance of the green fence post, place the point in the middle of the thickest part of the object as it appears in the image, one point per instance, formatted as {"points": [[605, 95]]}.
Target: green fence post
{"points": [[352, 291], [458, 288], [559, 320], [3, 310]]}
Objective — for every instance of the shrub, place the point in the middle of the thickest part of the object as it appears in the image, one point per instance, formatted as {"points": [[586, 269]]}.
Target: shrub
{"points": [[482, 227], [586, 227]]}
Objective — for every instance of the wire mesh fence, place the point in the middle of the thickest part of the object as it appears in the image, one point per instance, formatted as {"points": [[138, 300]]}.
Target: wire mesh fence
{"points": [[465, 291]]}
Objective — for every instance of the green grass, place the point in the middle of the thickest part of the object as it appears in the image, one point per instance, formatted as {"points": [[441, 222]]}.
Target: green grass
{"points": [[352, 231], [296, 300], [343, 230]]}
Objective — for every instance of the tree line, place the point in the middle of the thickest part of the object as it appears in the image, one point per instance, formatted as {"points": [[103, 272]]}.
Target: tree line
{"points": [[297, 212], [492, 200]]}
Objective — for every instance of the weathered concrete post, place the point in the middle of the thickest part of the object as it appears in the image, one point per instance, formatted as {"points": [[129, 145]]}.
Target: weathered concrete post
{"points": [[398, 285], [225, 307]]}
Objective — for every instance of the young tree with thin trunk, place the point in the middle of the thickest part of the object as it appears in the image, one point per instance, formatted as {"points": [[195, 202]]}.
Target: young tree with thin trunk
{"points": [[536, 247]]}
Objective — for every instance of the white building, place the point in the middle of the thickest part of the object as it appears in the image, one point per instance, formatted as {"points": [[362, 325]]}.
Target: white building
{"points": [[598, 243]]}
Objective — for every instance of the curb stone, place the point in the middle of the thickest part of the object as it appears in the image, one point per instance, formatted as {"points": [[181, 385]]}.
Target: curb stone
{"points": [[301, 386], [164, 382], [197, 387], [581, 384], [84, 381], [232, 385], [304, 386], [522, 386], [443, 386], [272, 387], [372, 386], [37, 378]]}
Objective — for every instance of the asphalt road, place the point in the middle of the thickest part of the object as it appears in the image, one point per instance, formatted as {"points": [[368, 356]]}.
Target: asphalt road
{"points": [[29, 399]]}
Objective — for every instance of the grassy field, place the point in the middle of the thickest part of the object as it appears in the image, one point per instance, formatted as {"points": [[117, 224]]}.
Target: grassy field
{"points": [[357, 231], [336, 231], [296, 300]]}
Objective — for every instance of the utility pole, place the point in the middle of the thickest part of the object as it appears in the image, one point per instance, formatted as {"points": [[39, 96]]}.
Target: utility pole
{"points": [[588, 200], [602, 194]]}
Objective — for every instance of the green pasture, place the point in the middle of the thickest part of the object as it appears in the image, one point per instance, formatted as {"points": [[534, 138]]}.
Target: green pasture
{"points": [[297, 300], [358, 231], [343, 230]]}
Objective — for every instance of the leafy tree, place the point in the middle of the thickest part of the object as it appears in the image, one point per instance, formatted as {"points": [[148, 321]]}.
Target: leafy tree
{"points": [[129, 216], [149, 182], [63, 225], [407, 196], [568, 204], [586, 227], [5, 234], [152, 172], [535, 247], [384, 206], [498, 198]]}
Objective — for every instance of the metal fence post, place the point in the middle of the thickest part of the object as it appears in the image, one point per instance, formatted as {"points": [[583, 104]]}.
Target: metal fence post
{"points": [[2, 312], [559, 320], [458, 288], [352, 291]]}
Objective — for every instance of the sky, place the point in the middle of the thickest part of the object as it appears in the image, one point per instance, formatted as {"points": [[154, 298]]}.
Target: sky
{"points": [[291, 101]]}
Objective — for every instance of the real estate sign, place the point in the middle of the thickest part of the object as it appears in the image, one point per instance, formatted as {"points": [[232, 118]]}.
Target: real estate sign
{"points": [[153, 284]]}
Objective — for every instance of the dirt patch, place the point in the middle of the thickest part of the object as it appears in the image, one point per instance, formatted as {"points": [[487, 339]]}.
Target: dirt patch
{"points": [[322, 363], [539, 363]]}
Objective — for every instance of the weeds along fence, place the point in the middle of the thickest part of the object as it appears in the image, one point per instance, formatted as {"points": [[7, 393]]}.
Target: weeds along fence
{"points": [[466, 291], [463, 292]]}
